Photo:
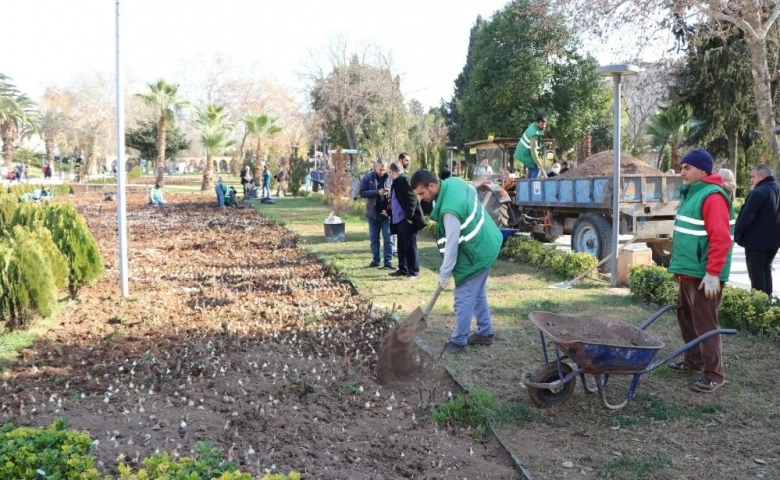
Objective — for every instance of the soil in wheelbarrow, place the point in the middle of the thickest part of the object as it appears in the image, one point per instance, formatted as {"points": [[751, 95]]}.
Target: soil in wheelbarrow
{"points": [[602, 163], [610, 333]]}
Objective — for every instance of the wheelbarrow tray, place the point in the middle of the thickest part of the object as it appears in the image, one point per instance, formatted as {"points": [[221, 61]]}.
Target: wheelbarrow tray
{"points": [[599, 346]]}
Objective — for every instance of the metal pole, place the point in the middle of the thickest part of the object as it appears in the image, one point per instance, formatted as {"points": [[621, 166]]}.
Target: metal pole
{"points": [[613, 280], [121, 172]]}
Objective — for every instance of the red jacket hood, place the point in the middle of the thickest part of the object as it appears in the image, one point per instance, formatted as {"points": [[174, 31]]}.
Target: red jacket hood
{"points": [[714, 178]]}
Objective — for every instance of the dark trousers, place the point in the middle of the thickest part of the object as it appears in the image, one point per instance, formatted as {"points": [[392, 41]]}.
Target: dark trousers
{"points": [[408, 257], [698, 316], [759, 267]]}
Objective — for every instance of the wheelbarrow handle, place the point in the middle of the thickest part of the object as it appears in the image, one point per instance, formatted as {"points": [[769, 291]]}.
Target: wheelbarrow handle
{"points": [[657, 315], [691, 344]]}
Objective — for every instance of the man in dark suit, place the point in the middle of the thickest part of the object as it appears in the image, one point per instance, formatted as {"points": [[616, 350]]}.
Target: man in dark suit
{"points": [[406, 219], [758, 228]]}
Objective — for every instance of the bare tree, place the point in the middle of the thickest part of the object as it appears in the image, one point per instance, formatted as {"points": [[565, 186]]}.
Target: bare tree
{"points": [[754, 18]]}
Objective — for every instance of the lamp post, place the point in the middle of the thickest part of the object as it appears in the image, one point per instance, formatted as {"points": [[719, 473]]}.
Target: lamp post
{"points": [[451, 149], [616, 72]]}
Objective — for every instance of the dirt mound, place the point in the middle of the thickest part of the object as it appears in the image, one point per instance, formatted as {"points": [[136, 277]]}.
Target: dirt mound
{"points": [[600, 164]]}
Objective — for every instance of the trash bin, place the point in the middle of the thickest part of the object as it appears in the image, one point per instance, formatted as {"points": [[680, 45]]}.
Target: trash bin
{"points": [[335, 232]]}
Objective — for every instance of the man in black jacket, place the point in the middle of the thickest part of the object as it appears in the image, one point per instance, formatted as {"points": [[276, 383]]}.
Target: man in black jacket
{"points": [[375, 188], [407, 218], [758, 228]]}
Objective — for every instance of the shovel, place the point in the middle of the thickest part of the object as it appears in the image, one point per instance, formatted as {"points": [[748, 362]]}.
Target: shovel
{"points": [[395, 356], [570, 283]]}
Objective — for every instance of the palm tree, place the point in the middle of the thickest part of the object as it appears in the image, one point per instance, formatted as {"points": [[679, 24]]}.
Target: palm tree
{"points": [[51, 125], [16, 110], [164, 98], [674, 126], [214, 135], [260, 126]]}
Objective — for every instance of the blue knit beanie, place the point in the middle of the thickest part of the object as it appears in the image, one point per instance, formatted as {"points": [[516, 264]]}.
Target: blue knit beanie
{"points": [[699, 158]]}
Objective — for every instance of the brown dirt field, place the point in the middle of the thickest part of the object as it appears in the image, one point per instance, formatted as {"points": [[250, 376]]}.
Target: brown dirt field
{"points": [[601, 164], [233, 333]]}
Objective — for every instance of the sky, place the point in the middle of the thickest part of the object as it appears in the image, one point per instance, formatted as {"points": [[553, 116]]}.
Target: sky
{"points": [[51, 41]]}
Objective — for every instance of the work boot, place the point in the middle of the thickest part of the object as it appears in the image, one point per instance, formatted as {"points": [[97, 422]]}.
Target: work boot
{"points": [[475, 339]]}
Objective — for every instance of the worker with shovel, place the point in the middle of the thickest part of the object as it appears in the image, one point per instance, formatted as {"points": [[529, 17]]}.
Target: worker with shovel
{"points": [[469, 242]]}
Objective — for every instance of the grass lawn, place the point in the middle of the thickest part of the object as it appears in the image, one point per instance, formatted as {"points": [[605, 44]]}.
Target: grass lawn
{"points": [[656, 425]]}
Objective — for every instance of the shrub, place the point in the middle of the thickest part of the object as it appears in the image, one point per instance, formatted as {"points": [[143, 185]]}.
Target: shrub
{"points": [[527, 250], [72, 236], [740, 308], [209, 464], [46, 453], [652, 284], [134, 173], [32, 270], [359, 207]]}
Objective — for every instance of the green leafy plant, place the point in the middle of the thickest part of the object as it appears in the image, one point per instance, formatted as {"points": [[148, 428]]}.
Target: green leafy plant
{"points": [[46, 453], [652, 284], [134, 173], [740, 308], [209, 463], [527, 250], [473, 409]]}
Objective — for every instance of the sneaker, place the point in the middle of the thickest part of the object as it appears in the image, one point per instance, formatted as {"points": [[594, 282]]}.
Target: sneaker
{"points": [[705, 385], [681, 367], [410, 277], [454, 348], [397, 273], [475, 339], [372, 265], [389, 266]]}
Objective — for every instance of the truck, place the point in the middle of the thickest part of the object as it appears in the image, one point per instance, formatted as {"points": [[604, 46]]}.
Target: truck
{"points": [[548, 208]]}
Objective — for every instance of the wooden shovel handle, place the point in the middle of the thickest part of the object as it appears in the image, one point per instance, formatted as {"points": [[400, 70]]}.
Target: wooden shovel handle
{"points": [[432, 301]]}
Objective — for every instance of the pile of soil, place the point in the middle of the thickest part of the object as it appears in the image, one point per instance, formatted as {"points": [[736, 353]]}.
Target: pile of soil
{"points": [[600, 164], [233, 334]]}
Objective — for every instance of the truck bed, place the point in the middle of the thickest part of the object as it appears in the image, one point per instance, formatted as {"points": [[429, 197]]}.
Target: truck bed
{"points": [[650, 191]]}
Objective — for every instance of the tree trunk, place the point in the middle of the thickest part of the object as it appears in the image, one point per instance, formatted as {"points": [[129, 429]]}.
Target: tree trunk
{"points": [[49, 145], [208, 174], [763, 94], [258, 173], [161, 148], [675, 154], [7, 136]]}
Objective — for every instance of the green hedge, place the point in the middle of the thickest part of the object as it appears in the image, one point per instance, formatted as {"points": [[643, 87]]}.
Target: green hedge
{"points": [[57, 453], [743, 309], [527, 250]]}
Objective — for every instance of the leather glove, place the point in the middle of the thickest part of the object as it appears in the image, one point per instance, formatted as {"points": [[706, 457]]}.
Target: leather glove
{"points": [[711, 286], [444, 282]]}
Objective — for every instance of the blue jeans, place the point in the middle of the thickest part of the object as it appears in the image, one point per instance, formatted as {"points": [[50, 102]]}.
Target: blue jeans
{"points": [[374, 226], [533, 172], [471, 301]]}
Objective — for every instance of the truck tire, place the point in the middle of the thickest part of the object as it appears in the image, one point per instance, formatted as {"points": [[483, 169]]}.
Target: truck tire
{"points": [[662, 252], [498, 211], [593, 234], [315, 187]]}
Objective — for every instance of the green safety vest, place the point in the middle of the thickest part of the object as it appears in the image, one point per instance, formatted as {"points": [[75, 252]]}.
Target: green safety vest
{"points": [[690, 241], [480, 239], [523, 150]]}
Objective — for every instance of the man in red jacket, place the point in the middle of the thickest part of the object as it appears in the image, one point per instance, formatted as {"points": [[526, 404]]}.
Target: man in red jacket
{"points": [[701, 261]]}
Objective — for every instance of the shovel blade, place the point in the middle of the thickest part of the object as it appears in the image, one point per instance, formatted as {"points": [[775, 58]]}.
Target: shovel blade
{"points": [[412, 325]]}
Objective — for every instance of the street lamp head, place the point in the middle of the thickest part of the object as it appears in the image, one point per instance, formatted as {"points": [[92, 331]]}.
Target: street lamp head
{"points": [[621, 70]]}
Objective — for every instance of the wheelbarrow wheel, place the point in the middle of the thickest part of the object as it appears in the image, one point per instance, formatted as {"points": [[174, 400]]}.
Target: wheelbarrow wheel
{"points": [[548, 373]]}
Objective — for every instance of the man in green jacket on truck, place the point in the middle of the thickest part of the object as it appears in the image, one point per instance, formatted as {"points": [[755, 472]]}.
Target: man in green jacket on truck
{"points": [[530, 146], [469, 242]]}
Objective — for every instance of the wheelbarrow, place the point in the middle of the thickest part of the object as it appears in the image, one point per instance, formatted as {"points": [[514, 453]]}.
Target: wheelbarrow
{"points": [[597, 347]]}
